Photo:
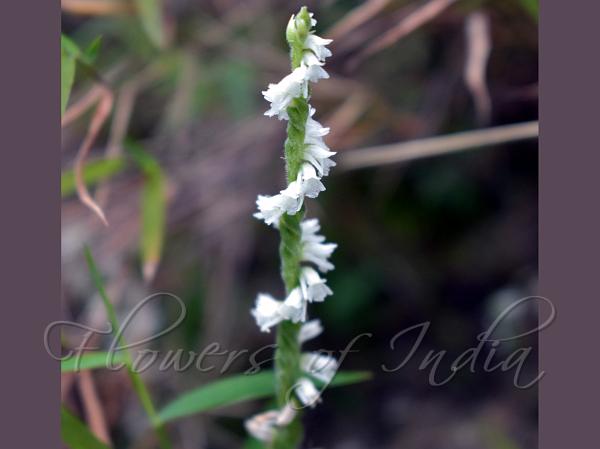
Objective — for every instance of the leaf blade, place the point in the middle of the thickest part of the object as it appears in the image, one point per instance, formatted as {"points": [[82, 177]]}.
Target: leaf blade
{"points": [[92, 360], [236, 389], [153, 205], [93, 173], [67, 76], [151, 17], [75, 433]]}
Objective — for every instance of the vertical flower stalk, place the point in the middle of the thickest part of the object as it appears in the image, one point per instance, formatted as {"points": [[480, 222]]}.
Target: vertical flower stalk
{"points": [[302, 250]]}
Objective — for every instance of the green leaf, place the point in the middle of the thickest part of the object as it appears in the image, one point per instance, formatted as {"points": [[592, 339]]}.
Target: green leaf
{"points": [[70, 54], [75, 434], [67, 75], [253, 443], [151, 17], [69, 46], [153, 210], [532, 7], [138, 385], [93, 173], [237, 389], [91, 52], [92, 360]]}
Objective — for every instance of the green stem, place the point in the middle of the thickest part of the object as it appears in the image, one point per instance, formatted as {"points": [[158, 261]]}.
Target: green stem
{"points": [[287, 354], [138, 384]]}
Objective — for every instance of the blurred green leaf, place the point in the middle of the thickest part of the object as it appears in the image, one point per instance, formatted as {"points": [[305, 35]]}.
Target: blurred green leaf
{"points": [[253, 443], [92, 50], [92, 360], [151, 17], [239, 87], [238, 389], [67, 75], [136, 380], [69, 47], [93, 173], [153, 209], [75, 433], [532, 7]]}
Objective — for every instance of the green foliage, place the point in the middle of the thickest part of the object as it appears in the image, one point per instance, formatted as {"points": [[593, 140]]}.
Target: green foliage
{"points": [[67, 75], [91, 360], [75, 434], [138, 385], [151, 17], [532, 7], [153, 206], [238, 389], [70, 54], [93, 173], [91, 51], [238, 85]]}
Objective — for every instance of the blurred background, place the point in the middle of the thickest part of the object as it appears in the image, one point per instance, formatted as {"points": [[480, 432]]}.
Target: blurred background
{"points": [[167, 113]]}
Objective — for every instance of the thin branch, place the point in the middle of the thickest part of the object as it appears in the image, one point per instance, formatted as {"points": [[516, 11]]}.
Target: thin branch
{"points": [[100, 115], [436, 146], [92, 406], [96, 7], [84, 103], [477, 33], [356, 18], [410, 23]]}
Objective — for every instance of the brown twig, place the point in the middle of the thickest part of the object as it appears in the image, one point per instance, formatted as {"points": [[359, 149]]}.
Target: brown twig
{"points": [[91, 404], [96, 7], [435, 146], [121, 118], [100, 115], [477, 33], [410, 23], [356, 18], [84, 103]]}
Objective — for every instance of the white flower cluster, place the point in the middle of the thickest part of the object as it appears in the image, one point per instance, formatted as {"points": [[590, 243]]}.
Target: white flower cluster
{"points": [[315, 252], [269, 311], [316, 153], [314, 364]]}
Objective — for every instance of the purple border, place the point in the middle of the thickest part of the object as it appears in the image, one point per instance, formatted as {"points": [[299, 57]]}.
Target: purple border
{"points": [[29, 241], [569, 223]]}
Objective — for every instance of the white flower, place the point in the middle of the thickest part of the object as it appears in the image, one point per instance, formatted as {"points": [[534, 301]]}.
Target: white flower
{"points": [[307, 393], [321, 366], [313, 248], [309, 182], [289, 201], [317, 44], [294, 306], [267, 312], [313, 286], [286, 415], [280, 95], [314, 69], [316, 151], [319, 158], [262, 426], [314, 129], [271, 208], [310, 330]]}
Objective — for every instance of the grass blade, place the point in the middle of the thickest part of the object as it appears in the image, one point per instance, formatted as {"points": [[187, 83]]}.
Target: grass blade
{"points": [[138, 385], [75, 433], [93, 173], [92, 360], [153, 204], [236, 389], [151, 18], [67, 75]]}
